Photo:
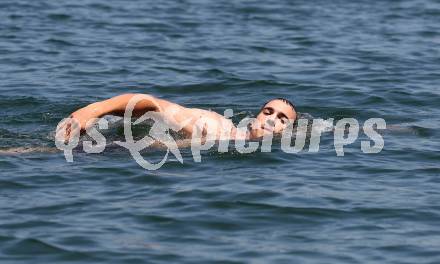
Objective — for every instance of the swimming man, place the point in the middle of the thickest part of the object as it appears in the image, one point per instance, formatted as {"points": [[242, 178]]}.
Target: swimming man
{"points": [[273, 117]]}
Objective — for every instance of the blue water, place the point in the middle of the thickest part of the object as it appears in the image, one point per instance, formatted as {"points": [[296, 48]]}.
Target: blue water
{"points": [[334, 59]]}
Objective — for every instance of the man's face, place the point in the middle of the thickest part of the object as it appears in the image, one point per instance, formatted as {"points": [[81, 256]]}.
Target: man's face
{"points": [[273, 118]]}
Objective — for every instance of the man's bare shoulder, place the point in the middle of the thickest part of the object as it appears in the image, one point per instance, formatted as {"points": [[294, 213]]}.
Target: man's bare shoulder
{"points": [[192, 116], [174, 108], [166, 105]]}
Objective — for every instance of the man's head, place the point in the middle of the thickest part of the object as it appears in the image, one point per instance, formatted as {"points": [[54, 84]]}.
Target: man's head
{"points": [[274, 117]]}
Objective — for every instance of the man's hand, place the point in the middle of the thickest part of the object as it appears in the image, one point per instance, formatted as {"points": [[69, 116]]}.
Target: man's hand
{"points": [[78, 122]]}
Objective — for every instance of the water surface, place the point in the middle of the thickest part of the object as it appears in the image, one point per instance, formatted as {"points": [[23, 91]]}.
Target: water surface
{"points": [[332, 58]]}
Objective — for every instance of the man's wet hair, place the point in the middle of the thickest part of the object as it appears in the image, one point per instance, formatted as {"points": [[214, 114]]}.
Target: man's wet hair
{"points": [[281, 99]]}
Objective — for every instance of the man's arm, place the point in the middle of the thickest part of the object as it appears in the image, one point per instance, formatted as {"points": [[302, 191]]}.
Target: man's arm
{"points": [[113, 106]]}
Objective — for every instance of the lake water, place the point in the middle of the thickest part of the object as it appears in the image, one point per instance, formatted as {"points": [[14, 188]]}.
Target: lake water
{"points": [[334, 59]]}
